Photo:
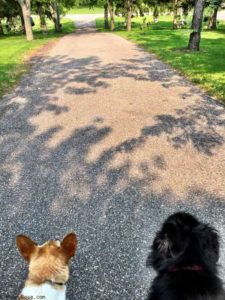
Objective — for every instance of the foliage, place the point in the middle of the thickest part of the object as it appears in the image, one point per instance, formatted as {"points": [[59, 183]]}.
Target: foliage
{"points": [[9, 8], [214, 3]]}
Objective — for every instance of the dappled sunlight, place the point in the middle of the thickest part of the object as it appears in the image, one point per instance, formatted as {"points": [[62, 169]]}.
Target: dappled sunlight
{"points": [[79, 189], [205, 67], [89, 90], [12, 172], [135, 127], [19, 100], [107, 145]]}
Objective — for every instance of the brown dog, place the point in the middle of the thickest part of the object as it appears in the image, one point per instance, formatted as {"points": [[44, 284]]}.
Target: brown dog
{"points": [[48, 267]]}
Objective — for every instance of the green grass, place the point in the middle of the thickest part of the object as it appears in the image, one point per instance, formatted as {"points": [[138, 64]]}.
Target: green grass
{"points": [[85, 10], [14, 48], [206, 67]]}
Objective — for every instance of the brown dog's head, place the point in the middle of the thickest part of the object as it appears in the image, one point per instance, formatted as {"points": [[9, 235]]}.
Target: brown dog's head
{"points": [[49, 261]]}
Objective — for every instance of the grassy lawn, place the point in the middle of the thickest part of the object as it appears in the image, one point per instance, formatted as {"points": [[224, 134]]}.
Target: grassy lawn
{"points": [[206, 68], [14, 48], [86, 10]]}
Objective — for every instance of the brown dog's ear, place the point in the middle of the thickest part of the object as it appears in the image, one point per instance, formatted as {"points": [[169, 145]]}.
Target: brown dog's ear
{"points": [[26, 246], [69, 244]]}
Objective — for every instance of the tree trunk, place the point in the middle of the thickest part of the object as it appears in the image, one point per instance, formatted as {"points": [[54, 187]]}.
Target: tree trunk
{"points": [[41, 14], [22, 24], [141, 11], [129, 14], [1, 28], [106, 16], [155, 14], [175, 14], [111, 13], [213, 19], [195, 36], [25, 6], [56, 16]]}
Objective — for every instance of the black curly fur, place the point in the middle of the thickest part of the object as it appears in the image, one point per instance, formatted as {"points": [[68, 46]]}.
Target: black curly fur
{"points": [[184, 254]]}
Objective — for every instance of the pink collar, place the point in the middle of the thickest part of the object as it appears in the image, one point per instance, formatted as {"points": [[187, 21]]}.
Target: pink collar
{"points": [[196, 268]]}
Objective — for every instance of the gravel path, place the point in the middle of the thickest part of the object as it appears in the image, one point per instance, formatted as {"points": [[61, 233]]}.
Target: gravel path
{"points": [[85, 20], [103, 139]]}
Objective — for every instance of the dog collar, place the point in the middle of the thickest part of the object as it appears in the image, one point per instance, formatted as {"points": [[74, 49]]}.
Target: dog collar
{"points": [[195, 268]]}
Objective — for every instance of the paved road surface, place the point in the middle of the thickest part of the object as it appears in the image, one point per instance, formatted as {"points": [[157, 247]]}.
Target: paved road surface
{"points": [[103, 139], [85, 20]]}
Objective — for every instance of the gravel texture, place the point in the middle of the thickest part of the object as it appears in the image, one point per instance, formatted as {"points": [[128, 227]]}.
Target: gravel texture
{"points": [[103, 139]]}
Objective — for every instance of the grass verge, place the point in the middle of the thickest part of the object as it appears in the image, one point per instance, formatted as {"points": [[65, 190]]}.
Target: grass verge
{"points": [[14, 49], [205, 68]]}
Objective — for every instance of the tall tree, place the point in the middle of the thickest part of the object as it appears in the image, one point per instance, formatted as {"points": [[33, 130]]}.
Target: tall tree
{"points": [[55, 12], [195, 36], [56, 7], [155, 13], [1, 28], [26, 10], [111, 14], [106, 16], [213, 19], [129, 4], [41, 14], [175, 14], [214, 6], [8, 9], [41, 7]]}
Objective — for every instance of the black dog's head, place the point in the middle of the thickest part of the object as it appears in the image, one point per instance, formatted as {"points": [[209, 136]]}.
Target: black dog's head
{"points": [[184, 241]]}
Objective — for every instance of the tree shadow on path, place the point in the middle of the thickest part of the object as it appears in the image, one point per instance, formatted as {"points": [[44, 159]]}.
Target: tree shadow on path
{"points": [[49, 191]]}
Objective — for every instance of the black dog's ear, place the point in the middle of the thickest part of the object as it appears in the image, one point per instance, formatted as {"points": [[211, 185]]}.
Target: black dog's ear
{"points": [[167, 244], [165, 241], [161, 244], [159, 252], [172, 240], [208, 240]]}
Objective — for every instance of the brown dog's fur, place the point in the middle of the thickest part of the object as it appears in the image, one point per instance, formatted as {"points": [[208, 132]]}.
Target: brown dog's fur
{"points": [[49, 261]]}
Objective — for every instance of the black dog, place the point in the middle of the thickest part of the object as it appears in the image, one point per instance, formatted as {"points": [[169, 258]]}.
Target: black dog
{"points": [[185, 254]]}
